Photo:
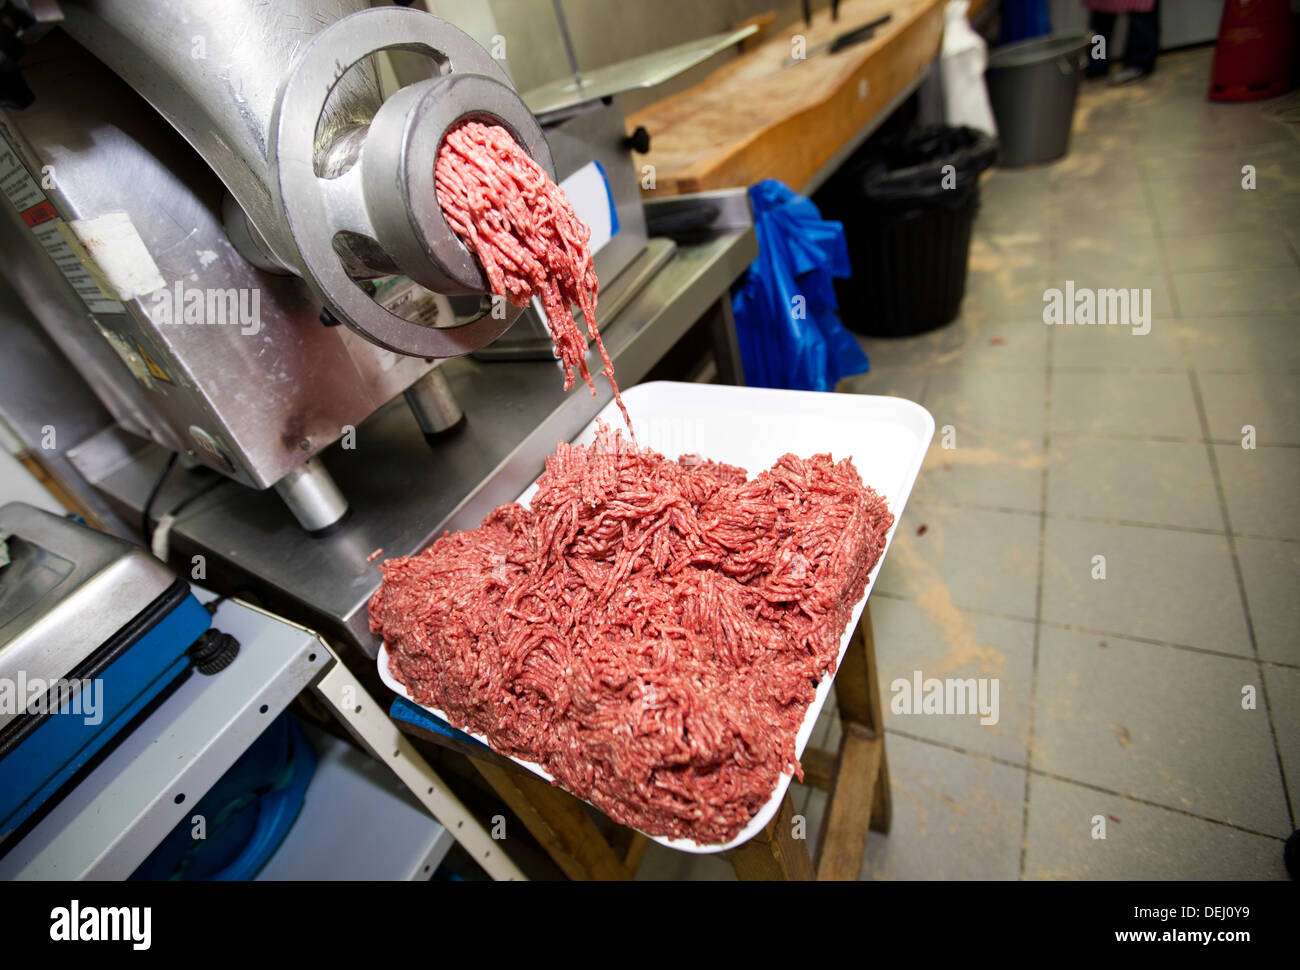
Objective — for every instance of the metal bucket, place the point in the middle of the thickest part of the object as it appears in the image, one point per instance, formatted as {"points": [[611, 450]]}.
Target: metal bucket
{"points": [[1033, 86]]}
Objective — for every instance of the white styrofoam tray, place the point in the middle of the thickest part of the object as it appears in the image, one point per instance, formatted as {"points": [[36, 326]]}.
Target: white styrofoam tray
{"points": [[886, 437]]}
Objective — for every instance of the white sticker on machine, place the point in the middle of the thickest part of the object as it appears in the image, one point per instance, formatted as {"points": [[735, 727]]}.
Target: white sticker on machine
{"points": [[116, 249], [593, 202]]}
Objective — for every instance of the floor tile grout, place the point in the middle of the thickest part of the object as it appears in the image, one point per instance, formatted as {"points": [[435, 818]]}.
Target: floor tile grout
{"points": [[1116, 436], [1142, 371], [1241, 591], [1040, 773], [1038, 596], [1295, 253], [1203, 417], [1092, 631], [1100, 520]]}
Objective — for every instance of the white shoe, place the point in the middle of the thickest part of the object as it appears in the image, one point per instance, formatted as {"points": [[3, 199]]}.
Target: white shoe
{"points": [[1127, 75]]}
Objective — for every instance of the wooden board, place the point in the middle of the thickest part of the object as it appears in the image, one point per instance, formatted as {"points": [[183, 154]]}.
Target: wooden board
{"points": [[819, 767], [558, 821], [859, 783], [774, 853], [848, 810], [757, 117], [857, 697]]}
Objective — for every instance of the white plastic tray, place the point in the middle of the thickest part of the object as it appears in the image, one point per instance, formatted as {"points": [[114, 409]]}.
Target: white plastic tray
{"points": [[886, 437]]}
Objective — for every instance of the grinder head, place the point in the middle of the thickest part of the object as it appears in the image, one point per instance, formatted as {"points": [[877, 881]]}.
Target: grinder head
{"points": [[378, 188]]}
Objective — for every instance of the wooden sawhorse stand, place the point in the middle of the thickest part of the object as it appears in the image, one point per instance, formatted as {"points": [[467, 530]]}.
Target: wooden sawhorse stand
{"points": [[856, 777]]}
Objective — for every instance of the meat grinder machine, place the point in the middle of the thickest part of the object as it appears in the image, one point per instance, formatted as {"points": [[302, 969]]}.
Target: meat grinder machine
{"points": [[220, 217], [247, 312]]}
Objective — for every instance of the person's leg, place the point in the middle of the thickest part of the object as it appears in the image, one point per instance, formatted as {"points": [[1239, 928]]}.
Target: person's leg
{"points": [[1102, 25], [1143, 40]]}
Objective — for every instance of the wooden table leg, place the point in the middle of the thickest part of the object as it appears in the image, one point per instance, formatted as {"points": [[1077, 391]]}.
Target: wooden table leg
{"points": [[629, 845], [859, 798], [635, 852], [774, 853], [882, 804], [844, 830], [857, 694], [558, 821]]}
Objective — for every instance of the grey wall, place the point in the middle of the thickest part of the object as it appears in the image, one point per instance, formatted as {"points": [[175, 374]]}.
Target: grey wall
{"points": [[607, 31]]}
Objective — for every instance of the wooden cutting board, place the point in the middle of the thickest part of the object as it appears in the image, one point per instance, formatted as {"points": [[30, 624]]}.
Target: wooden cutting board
{"points": [[758, 117]]}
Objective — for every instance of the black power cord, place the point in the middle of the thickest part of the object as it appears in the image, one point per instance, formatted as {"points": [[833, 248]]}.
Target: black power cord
{"points": [[146, 533], [146, 530], [207, 487]]}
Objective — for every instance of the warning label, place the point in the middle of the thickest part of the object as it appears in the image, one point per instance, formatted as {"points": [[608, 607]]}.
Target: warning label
{"points": [[25, 195]]}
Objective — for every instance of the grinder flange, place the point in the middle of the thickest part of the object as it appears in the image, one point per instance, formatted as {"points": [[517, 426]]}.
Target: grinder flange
{"points": [[387, 194]]}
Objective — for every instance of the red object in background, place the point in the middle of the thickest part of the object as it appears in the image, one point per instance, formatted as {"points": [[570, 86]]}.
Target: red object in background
{"points": [[1254, 54]]}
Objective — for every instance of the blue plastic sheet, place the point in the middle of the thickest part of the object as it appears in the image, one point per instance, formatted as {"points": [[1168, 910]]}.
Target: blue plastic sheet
{"points": [[787, 320]]}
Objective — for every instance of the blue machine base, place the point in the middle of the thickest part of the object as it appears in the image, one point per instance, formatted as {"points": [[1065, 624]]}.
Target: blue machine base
{"points": [[63, 742]]}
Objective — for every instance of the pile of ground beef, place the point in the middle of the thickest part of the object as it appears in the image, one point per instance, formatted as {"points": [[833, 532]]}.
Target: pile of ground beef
{"points": [[521, 226], [648, 631]]}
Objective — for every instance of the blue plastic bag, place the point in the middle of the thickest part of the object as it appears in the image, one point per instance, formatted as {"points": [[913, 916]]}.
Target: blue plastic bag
{"points": [[1023, 20], [787, 320]]}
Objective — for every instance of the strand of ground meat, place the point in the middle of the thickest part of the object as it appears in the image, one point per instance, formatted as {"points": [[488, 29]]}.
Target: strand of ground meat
{"points": [[520, 225], [650, 632]]}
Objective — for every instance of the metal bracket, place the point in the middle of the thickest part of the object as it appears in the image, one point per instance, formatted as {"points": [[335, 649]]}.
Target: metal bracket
{"points": [[367, 722]]}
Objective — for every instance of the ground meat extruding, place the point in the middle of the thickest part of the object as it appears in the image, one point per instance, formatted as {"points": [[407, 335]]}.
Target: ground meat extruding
{"points": [[650, 632], [520, 225]]}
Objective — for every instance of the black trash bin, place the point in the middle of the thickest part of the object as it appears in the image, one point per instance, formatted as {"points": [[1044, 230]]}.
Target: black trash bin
{"points": [[907, 220]]}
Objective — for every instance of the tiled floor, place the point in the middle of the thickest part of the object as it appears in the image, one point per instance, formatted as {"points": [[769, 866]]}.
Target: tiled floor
{"points": [[1121, 699]]}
